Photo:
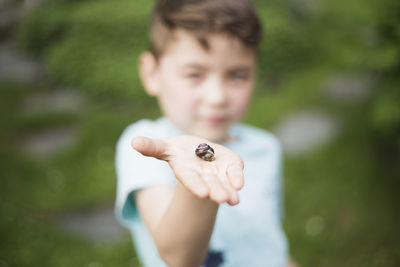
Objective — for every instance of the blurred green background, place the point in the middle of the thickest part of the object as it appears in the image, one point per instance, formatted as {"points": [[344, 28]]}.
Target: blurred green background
{"points": [[59, 126]]}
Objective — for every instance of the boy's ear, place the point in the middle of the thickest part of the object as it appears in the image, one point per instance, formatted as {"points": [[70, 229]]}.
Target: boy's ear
{"points": [[148, 70]]}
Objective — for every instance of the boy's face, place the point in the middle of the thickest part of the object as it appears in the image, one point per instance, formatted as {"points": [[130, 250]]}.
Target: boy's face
{"points": [[202, 92]]}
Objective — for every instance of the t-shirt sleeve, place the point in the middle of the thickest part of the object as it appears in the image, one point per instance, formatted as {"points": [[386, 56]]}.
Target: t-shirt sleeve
{"points": [[135, 171]]}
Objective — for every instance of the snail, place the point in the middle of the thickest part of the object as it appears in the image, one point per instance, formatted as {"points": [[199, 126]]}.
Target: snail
{"points": [[205, 152]]}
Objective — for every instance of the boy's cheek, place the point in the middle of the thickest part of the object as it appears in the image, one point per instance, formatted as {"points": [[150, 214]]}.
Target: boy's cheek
{"points": [[185, 105], [242, 101], [189, 98]]}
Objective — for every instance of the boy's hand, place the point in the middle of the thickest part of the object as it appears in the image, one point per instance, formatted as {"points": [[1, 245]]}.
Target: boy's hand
{"points": [[218, 180]]}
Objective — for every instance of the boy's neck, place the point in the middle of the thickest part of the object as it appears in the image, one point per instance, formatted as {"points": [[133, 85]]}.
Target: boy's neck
{"points": [[230, 137]]}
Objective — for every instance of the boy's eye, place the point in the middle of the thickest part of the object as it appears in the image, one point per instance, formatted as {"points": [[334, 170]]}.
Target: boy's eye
{"points": [[239, 76], [194, 75]]}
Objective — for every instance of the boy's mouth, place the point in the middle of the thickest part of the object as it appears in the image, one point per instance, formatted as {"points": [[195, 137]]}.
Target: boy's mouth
{"points": [[215, 120]]}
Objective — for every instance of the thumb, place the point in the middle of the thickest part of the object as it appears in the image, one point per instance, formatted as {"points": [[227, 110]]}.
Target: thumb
{"points": [[150, 147]]}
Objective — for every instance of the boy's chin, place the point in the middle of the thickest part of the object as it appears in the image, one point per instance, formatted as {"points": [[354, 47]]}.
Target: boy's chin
{"points": [[217, 137]]}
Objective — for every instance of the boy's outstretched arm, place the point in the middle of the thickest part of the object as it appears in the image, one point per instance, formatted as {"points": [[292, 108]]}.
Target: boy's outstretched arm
{"points": [[181, 218]]}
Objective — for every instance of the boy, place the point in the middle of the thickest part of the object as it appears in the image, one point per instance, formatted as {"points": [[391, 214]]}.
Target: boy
{"points": [[183, 210]]}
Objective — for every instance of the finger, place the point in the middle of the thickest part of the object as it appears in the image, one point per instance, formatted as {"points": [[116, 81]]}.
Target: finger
{"points": [[150, 147], [233, 194], [217, 191], [235, 175], [234, 199], [192, 181]]}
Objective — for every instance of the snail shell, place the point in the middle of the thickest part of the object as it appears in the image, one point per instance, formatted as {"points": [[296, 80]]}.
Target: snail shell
{"points": [[205, 152]]}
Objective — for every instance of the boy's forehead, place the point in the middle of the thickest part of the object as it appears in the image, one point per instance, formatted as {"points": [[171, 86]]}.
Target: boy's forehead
{"points": [[183, 44]]}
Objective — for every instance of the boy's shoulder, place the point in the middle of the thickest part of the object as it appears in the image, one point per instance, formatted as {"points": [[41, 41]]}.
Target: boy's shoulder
{"points": [[150, 128]]}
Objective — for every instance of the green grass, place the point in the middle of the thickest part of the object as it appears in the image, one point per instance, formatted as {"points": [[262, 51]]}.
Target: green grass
{"points": [[34, 191], [342, 183]]}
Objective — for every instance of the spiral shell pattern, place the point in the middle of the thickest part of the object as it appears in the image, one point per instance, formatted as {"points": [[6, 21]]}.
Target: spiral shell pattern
{"points": [[205, 152]]}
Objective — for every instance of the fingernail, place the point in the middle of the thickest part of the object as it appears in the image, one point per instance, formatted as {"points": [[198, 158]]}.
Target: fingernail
{"points": [[234, 203], [223, 197]]}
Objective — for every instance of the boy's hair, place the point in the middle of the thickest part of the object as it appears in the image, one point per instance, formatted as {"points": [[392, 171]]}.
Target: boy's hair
{"points": [[236, 18]]}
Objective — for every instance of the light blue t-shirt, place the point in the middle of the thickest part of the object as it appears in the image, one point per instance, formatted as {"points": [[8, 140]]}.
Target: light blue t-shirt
{"points": [[248, 234]]}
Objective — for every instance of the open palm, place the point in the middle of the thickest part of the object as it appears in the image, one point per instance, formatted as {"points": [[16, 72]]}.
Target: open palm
{"points": [[218, 180]]}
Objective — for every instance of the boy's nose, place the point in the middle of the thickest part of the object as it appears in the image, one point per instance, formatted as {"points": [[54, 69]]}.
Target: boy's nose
{"points": [[215, 93]]}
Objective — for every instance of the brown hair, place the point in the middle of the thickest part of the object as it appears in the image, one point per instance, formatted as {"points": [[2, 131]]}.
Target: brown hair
{"points": [[237, 18]]}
